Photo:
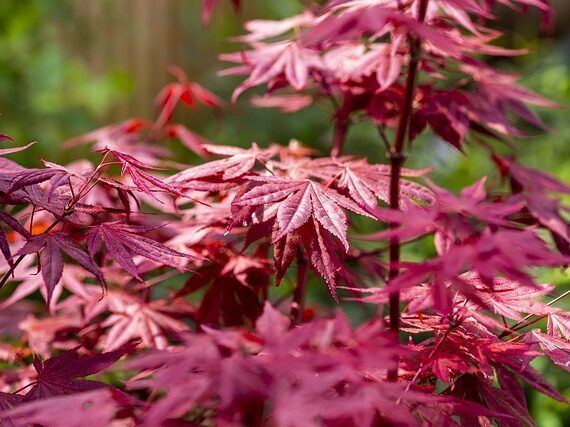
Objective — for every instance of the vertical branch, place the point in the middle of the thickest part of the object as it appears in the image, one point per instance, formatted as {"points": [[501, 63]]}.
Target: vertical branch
{"points": [[300, 287], [340, 130], [397, 158]]}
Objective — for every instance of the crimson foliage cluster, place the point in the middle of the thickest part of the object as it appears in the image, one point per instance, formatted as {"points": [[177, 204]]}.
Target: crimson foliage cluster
{"points": [[450, 339]]}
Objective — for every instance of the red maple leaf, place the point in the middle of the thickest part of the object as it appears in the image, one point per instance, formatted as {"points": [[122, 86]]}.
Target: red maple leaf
{"points": [[142, 180], [97, 408], [132, 318], [61, 374], [555, 347], [208, 7], [367, 182], [122, 241], [297, 201], [51, 258], [234, 283], [559, 325], [289, 60], [5, 151], [182, 91], [239, 162]]}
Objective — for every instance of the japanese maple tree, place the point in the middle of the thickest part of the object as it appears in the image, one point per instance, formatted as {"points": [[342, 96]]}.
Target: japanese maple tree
{"points": [[449, 338]]}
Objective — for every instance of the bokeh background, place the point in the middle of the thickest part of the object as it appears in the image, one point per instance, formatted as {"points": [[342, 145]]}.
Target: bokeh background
{"points": [[69, 66]]}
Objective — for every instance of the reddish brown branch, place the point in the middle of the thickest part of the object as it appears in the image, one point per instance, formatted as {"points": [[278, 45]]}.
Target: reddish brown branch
{"points": [[298, 303], [397, 158], [340, 131], [68, 211], [524, 323]]}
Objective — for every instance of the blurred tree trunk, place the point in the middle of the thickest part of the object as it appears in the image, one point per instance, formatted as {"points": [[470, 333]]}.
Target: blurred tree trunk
{"points": [[142, 38], [136, 37], [562, 8]]}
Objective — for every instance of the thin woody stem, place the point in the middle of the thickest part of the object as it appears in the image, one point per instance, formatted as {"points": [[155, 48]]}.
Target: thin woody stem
{"points": [[68, 211], [524, 324], [397, 158], [299, 294], [339, 137]]}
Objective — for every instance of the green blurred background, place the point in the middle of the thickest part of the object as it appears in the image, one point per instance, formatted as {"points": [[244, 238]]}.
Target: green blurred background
{"points": [[69, 66]]}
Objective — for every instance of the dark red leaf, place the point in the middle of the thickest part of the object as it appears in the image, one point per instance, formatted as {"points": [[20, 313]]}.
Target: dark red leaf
{"points": [[61, 374], [123, 241]]}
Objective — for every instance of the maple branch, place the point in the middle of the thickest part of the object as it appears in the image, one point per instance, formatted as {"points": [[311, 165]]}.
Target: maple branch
{"points": [[11, 270], [68, 211], [339, 137], [33, 383], [382, 133], [300, 287], [397, 158]]}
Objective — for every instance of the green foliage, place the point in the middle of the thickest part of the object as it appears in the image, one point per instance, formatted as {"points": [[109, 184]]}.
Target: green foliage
{"points": [[47, 94]]}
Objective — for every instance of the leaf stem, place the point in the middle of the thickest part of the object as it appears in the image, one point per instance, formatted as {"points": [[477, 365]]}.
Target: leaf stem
{"points": [[397, 158], [300, 287], [339, 137], [524, 324], [68, 211]]}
